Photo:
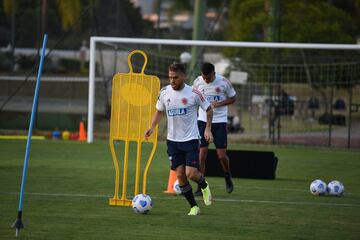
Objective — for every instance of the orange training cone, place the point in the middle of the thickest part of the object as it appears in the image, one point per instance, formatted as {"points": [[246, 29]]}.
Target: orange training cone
{"points": [[172, 179], [82, 132]]}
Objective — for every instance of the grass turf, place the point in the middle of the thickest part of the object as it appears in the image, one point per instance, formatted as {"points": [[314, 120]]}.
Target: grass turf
{"points": [[69, 183]]}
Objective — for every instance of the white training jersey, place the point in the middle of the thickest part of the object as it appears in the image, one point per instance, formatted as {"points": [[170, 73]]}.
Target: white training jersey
{"points": [[181, 110], [218, 90]]}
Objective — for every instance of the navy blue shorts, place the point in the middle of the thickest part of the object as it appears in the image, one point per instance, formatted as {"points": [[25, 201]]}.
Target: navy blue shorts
{"points": [[183, 153], [219, 133]]}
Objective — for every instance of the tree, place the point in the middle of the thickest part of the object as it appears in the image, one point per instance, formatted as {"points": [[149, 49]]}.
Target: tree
{"points": [[110, 18], [248, 20], [7, 5], [301, 21], [121, 18], [69, 11], [321, 21], [318, 22]]}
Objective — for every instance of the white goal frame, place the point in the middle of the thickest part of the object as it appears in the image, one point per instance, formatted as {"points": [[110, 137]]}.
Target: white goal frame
{"points": [[153, 41]]}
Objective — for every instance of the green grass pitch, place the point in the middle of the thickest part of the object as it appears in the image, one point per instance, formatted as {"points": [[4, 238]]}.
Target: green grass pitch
{"points": [[69, 184]]}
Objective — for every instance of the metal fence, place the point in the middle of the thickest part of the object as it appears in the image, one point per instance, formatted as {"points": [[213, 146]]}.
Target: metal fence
{"points": [[296, 114], [287, 99]]}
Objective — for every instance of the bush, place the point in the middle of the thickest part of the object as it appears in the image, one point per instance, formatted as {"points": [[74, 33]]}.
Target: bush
{"points": [[5, 61], [69, 65], [26, 62], [327, 118]]}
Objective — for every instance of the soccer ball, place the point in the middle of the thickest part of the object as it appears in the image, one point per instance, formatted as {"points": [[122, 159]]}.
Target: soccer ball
{"points": [[318, 187], [335, 188], [141, 203], [176, 187]]}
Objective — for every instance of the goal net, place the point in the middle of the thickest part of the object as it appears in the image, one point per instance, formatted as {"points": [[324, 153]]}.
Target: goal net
{"points": [[286, 92]]}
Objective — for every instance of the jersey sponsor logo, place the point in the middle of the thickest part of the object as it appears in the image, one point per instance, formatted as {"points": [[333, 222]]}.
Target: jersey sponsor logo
{"points": [[176, 112], [217, 89], [212, 98]]}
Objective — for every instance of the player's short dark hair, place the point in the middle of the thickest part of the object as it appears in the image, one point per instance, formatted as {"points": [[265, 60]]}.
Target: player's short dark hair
{"points": [[177, 67], [207, 68]]}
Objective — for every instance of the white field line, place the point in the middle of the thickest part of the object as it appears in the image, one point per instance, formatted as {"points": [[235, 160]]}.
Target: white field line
{"points": [[274, 189], [177, 198]]}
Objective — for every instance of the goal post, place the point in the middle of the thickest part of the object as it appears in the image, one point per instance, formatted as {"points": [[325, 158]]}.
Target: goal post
{"points": [[96, 40]]}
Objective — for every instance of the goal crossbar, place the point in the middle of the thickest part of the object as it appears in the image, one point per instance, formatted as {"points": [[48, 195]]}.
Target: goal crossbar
{"points": [[154, 41]]}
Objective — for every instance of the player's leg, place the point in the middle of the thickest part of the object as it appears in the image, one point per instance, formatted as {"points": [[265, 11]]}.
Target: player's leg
{"points": [[194, 174], [186, 190], [177, 162], [225, 163], [220, 141], [192, 169], [224, 159], [203, 153], [202, 158]]}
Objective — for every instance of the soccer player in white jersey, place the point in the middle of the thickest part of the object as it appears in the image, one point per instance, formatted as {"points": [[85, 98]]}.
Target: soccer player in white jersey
{"points": [[220, 92], [180, 103]]}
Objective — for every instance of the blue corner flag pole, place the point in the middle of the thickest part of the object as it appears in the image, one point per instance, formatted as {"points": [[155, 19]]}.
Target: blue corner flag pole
{"points": [[18, 223]]}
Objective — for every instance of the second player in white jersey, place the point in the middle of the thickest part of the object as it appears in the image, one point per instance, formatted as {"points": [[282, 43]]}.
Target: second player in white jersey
{"points": [[215, 91], [220, 92], [181, 109]]}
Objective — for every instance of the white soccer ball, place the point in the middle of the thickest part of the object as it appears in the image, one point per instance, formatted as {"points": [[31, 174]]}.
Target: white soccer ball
{"points": [[142, 203], [185, 57], [318, 187], [335, 188], [176, 187]]}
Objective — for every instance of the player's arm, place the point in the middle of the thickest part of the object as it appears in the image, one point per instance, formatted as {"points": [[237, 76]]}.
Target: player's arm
{"points": [[204, 104], [155, 121], [229, 92], [209, 116], [225, 102]]}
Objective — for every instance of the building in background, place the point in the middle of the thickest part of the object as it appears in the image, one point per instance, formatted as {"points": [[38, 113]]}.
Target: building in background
{"points": [[179, 23]]}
